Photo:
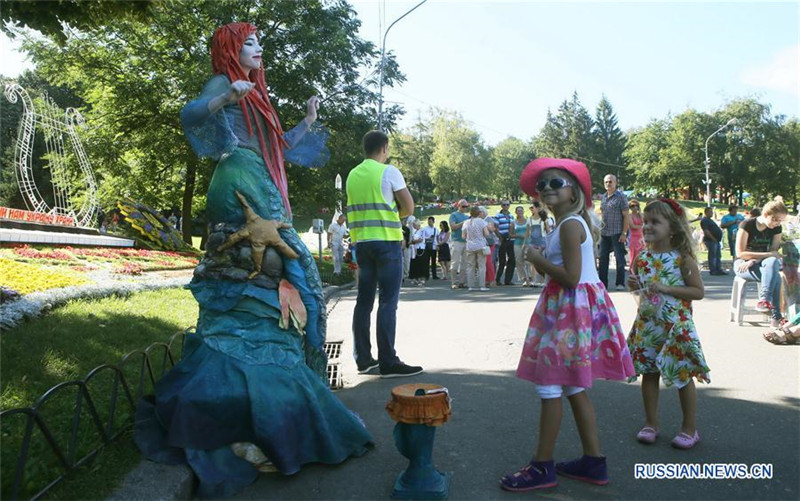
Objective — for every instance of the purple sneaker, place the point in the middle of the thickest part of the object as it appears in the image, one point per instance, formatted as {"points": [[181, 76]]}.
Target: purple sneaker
{"points": [[586, 468], [534, 475]]}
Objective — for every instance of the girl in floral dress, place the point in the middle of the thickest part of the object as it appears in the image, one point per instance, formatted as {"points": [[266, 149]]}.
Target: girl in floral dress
{"points": [[663, 341], [574, 335]]}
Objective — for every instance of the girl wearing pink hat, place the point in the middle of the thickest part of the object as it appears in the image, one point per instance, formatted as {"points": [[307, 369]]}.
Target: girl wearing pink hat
{"points": [[574, 335]]}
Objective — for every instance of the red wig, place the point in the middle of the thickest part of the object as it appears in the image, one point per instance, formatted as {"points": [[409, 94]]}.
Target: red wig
{"points": [[225, 48]]}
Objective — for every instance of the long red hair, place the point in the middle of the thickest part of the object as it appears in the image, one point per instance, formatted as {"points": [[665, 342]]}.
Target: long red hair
{"points": [[225, 48]]}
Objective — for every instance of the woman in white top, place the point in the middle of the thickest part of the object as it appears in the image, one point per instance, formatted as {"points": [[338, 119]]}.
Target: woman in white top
{"points": [[475, 231], [418, 271]]}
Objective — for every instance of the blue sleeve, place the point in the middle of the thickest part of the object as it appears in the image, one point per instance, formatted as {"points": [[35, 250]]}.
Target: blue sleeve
{"points": [[307, 146], [210, 135]]}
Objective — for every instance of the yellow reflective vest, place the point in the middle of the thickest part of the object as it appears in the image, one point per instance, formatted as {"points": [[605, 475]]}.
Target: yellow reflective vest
{"points": [[369, 215]]}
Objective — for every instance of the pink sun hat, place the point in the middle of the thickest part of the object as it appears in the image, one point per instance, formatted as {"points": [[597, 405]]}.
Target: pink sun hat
{"points": [[578, 170]]}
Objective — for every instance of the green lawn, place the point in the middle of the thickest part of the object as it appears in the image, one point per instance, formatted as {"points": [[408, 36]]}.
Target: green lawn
{"points": [[65, 345]]}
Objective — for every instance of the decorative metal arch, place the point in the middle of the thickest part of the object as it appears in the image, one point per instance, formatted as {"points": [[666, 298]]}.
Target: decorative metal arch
{"points": [[57, 132]]}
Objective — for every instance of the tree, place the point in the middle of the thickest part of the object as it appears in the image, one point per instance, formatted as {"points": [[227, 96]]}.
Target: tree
{"points": [[549, 142], [645, 156], [683, 156], [48, 17], [460, 161], [136, 76], [509, 158], [569, 135], [609, 141], [412, 152]]}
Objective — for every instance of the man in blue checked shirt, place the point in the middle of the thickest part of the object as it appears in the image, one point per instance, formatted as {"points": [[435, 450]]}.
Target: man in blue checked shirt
{"points": [[505, 250], [614, 206]]}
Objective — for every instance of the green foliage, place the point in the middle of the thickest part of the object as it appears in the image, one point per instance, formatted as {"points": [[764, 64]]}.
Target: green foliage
{"points": [[609, 141], [460, 162], [760, 155], [82, 14], [509, 158], [569, 134], [644, 156], [412, 153]]}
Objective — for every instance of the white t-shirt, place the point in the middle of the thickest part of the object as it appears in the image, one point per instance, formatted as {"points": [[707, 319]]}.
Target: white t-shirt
{"points": [[391, 181]]}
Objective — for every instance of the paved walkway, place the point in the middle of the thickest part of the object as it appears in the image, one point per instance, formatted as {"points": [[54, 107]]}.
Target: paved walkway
{"points": [[470, 343]]}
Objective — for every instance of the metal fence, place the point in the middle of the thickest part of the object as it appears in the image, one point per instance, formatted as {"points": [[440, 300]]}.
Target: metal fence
{"points": [[95, 421], [101, 414]]}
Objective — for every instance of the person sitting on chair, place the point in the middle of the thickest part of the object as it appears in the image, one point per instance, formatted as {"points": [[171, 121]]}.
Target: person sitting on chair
{"points": [[758, 259]]}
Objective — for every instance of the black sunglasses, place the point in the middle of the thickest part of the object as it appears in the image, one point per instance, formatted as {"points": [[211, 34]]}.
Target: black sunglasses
{"points": [[555, 184]]}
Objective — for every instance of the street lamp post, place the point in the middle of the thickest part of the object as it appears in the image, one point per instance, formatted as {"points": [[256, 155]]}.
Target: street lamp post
{"points": [[732, 121], [383, 56], [338, 186]]}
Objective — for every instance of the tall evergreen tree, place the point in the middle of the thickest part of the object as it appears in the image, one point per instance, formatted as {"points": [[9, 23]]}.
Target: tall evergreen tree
{"points": [[549, 142], [569, 134], [609, 141]]}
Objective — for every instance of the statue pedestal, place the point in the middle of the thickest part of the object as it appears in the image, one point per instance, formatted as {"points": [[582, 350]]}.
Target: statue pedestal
{"points": [[418, 409], [420, 480]]}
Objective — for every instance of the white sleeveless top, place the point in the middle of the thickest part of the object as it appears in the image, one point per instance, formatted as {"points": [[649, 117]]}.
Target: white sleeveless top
{"points": [[554, 255]]}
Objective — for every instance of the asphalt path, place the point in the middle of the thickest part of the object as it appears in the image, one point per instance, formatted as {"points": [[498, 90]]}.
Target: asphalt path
{"points": [[470, 343]]}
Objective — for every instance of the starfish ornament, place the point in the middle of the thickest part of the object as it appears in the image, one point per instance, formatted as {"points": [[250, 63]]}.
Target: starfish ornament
{"points": [[261, 233]]}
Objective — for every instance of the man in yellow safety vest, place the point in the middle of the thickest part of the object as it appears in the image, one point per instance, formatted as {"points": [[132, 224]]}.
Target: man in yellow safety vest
{"points": [[377, 198]]}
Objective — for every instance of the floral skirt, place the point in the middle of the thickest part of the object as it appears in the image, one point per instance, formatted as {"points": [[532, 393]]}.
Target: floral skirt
{"points": [[574, 337]]}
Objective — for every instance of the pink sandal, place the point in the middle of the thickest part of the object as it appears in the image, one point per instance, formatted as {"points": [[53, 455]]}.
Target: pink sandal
{"points": [[685, 441], [647, 435]]}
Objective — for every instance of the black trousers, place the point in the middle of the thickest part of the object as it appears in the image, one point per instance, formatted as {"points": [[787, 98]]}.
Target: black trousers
{"points": [[506, 260], [432, 252]]}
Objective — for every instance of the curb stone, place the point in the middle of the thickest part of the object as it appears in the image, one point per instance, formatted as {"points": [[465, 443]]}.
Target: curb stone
{"points": [[151, 481]]}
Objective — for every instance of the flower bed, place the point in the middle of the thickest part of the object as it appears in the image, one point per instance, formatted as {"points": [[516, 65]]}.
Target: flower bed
{"points": [[35, 279], [25, 278], [27, 269]]}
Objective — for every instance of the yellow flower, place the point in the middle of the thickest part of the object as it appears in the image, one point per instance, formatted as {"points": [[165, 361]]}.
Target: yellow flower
{"points": [[26, 278], [657, 264]]}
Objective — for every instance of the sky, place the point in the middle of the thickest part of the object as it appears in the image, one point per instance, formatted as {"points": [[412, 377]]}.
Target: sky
{"points": [[503, 64]]}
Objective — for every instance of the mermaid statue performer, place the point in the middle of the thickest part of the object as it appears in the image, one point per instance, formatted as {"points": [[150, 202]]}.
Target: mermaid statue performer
{"points": [[250, 391]]}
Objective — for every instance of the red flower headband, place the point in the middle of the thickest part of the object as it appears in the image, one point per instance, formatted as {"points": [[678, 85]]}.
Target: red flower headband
{"points": [[672, 203]]}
